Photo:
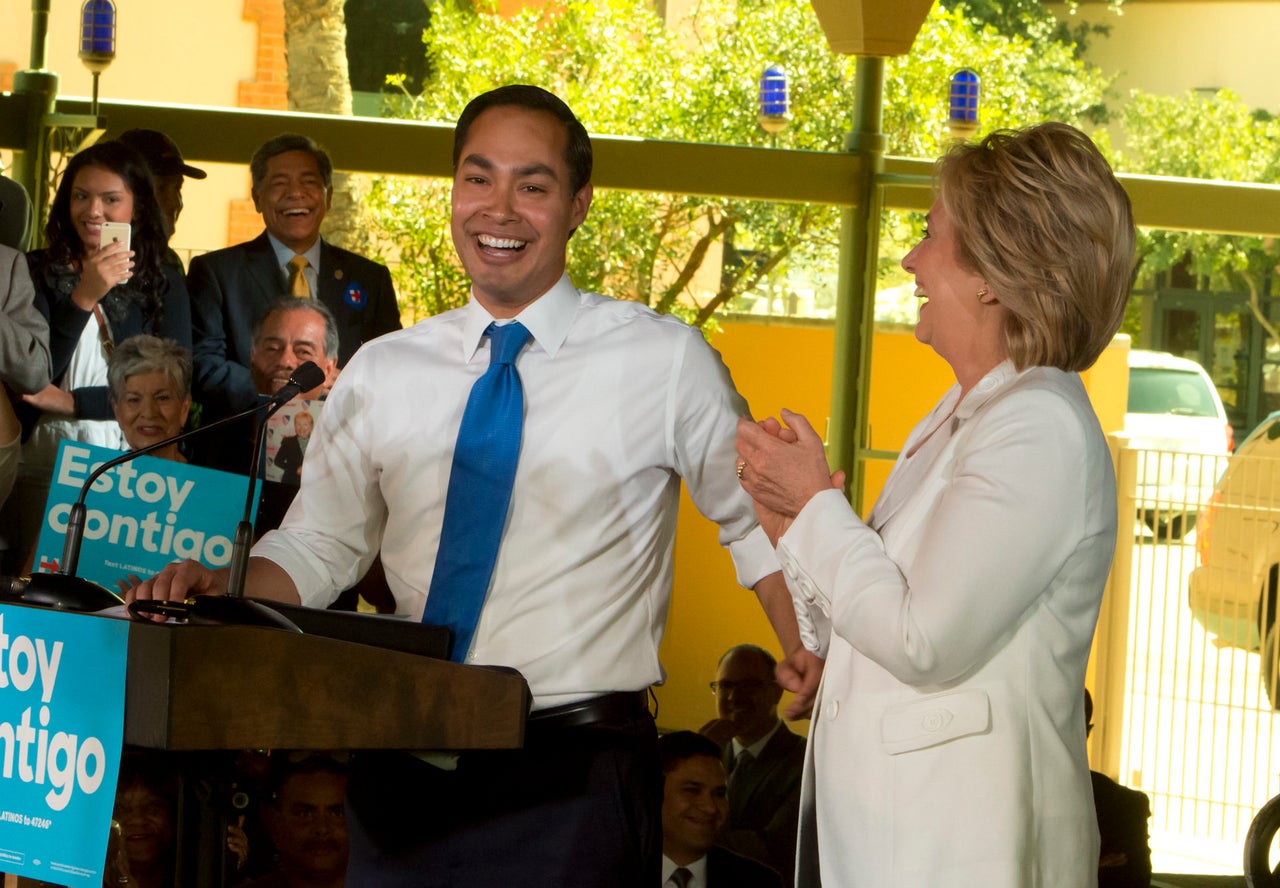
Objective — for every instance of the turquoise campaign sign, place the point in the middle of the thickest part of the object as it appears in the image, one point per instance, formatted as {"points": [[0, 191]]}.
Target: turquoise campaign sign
{"points": [[140, 516], [62, 681]]}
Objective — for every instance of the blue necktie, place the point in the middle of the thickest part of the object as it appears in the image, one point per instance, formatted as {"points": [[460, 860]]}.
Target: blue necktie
{"points": [[475, 506]]}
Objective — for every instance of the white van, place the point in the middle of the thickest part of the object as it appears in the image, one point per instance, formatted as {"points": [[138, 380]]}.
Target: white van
{"points": [[1176, 418]]}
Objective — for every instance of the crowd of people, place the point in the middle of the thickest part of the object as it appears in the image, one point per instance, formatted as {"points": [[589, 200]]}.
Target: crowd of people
{"points": [[514, 467], [134, 340]]}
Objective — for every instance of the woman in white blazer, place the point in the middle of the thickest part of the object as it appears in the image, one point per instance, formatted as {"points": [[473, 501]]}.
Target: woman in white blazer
{"points": [[947, 745]]}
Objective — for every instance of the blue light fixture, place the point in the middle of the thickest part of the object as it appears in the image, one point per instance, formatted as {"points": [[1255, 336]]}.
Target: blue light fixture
{"points": [[97, 39], [773, 100], [962, 103]]}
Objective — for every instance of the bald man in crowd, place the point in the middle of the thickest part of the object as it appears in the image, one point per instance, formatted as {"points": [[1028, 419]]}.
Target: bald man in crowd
{"points": [[764, 760]]}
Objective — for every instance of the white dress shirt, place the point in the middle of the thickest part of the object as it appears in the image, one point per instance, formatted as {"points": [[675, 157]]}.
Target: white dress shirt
{"points": [[620, 404], [697, 869], [755, 748], [284, 255]]}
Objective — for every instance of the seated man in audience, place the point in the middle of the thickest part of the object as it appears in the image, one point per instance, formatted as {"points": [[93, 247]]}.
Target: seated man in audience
{"points": [[1125, 855], [694, 808], [290, 333], [232, 288], [306, 823], [764, 760]]}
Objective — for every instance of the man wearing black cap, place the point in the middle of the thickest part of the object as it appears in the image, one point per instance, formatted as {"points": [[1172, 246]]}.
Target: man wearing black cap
{"points": [[168, 170]]}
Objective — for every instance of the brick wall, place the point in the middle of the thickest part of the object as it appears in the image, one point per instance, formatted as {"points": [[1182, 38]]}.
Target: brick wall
{"points": [[269, 90], [270, 87]]}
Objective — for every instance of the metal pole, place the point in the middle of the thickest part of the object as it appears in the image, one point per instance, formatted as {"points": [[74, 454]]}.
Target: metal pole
{"points": [[37, 91], [39, 33], [855, 298]]}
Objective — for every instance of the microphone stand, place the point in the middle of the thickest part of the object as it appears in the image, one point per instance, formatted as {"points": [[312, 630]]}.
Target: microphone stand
{"points": [[244, 530]]}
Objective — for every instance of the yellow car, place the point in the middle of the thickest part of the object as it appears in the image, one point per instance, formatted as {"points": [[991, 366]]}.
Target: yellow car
{"points": [[1232, 592]]}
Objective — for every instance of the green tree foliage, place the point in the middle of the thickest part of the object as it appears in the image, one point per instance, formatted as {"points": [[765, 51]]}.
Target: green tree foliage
{"points": [[625, 72], [1031, 20], [1203, 137]]}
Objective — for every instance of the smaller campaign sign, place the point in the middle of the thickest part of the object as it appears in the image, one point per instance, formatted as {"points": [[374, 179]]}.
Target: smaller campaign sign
{"points": [[62, 679], [140, 515], [288, 434]]}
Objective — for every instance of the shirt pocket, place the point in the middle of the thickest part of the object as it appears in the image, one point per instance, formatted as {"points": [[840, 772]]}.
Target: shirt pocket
{"points": [[934, 720]]}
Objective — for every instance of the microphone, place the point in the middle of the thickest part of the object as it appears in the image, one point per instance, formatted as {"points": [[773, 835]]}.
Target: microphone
{"points": [[304, 379], [64, 590]]}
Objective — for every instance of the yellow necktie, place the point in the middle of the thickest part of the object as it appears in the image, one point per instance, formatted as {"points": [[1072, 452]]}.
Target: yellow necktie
{"points": [[298, 285]]}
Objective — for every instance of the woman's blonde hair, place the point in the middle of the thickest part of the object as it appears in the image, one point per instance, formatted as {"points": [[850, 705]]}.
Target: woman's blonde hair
{"points": [[1039, 214]]}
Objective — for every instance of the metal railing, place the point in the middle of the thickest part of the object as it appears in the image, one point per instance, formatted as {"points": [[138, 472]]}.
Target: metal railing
{"points": [[1194, 727]]}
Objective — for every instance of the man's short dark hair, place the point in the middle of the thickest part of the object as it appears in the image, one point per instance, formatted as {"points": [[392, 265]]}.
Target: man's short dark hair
{"points": [[577, 152], [677, 746], [286, 765], [284, 304], [286, 142]]}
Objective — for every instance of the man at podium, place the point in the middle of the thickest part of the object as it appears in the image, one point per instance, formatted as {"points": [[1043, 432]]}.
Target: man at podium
{"points": [[519, 461]]}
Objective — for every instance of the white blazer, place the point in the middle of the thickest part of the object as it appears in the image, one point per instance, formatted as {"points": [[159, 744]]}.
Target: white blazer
{"points": [[947, 746]]}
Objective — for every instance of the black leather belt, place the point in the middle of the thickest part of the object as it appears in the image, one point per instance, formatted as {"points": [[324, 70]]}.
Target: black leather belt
{"points": [[616, 707]]}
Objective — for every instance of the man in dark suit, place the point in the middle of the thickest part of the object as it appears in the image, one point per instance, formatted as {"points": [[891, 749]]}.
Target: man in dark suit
{"points": [[1125, 853], [763, 759], [232, 288], [694, 809]]}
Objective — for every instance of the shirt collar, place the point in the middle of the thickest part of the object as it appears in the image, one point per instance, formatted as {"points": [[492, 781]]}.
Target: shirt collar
{"points": [[284, 254], [547, 318], [999, 377], [698, 868], [755, 748]]}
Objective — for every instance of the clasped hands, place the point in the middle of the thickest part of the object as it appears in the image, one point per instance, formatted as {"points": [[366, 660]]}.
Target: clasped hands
{"points": [[782, 467]]}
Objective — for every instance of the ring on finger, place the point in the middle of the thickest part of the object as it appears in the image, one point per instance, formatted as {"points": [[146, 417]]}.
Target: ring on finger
{"points": [[742, 465]]}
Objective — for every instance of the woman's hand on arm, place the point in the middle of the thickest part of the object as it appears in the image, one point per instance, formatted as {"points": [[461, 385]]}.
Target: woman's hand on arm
{"points": [[52, 399]]}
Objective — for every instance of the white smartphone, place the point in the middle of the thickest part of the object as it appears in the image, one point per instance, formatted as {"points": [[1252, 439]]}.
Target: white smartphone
{"points": [[115, 232]]}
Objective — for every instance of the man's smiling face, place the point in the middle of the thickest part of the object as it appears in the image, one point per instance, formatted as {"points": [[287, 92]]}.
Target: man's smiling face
{"points": [[292, 198], [512, 207]]}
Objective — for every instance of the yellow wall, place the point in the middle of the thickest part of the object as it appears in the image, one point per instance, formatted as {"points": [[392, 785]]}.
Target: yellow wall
{"points": [[166, 51], [785, 365], [1171, 48]]}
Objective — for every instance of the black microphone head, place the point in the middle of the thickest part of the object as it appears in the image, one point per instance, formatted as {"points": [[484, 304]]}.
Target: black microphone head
{"points": [[307, 377]]}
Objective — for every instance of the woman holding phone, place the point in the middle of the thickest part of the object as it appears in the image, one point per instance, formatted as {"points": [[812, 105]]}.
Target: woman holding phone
{"points": [[96, 287]]}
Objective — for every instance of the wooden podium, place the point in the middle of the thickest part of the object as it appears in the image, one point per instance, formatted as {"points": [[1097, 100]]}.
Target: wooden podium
{"points": [[249, 687], [203, 691]]}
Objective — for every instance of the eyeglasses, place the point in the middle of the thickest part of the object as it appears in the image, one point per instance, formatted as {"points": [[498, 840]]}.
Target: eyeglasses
{"points": [[750, 686]]}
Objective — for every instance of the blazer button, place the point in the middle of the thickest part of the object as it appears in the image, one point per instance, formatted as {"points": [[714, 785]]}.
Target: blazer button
{"points": [[832, 709]]}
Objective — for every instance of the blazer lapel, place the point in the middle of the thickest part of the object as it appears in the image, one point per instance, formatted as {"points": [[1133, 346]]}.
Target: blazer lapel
{"points": [[262, 268]]}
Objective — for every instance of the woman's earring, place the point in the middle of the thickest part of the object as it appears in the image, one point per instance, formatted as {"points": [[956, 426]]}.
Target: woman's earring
{"points": [[983, 294]]}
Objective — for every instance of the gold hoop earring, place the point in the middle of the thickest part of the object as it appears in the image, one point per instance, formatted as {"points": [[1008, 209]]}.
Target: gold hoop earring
{"points": [[983, 293]]}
